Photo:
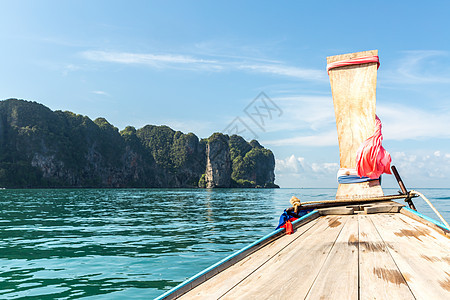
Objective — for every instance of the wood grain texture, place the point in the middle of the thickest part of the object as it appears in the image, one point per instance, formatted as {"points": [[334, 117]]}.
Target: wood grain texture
{"points": [[421, 254], [436, 239], [224, 281], [413, 216], [359, 190], [290, 273], [338, 277], [354, 97], [379, 276], [382, 209], [353, 89], [375, 256], [336, 211]]}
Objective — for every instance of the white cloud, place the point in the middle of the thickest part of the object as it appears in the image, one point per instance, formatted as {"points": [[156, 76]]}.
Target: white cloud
{"points": [[290, 164], [310, 121], [306, 111], [154, 60], [322, 139], [421, 169], [401, 122], [193, 63], [68, 68], [325, 168], [306, 121], [299, 166], [425, 166], [102, 93], [289, 71], [421, 67]]}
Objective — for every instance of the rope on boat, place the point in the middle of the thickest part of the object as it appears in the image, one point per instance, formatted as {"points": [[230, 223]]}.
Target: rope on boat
{"points": [[295, 202], [431, 205]]}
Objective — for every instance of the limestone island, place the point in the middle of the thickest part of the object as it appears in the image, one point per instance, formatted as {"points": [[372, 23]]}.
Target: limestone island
{"points": [[41, 148]]}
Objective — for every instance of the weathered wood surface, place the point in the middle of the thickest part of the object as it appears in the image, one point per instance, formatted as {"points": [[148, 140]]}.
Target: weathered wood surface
{"points": [[413, 216], [379, 276], [354, 97], [336, 211], [376, 256], [291, 272], [224, 281], [421, 254], [382, 209], [342, 262], [359, 190]]}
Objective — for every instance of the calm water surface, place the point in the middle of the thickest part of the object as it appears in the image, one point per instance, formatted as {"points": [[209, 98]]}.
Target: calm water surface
{"points": [[134, 243]]}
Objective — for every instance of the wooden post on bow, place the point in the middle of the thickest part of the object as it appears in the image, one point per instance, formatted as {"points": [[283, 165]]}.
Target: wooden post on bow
{"points": [[354, 96]]}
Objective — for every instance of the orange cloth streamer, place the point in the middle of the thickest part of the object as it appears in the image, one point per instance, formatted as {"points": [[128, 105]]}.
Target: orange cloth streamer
{"points": [[289, 227], [372, 159]]}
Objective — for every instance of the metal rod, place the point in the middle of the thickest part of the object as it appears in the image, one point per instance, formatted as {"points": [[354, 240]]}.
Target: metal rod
{"points": [[403, 188]]}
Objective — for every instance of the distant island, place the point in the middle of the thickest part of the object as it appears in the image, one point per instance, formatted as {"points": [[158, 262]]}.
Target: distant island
{"points": [[42, 148]]}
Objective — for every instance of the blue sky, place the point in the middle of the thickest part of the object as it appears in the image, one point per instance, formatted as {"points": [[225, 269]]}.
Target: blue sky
{"points": [[198, 66]]}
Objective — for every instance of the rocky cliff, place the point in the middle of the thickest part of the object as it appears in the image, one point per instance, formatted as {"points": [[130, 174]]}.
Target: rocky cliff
{"points": [[218, 162], [44, 148], [233, 162]]}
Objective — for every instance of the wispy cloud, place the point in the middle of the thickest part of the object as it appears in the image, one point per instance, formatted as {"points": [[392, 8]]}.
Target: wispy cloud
{"points": [[321, 139], [432, 164], [306, 111], [300, 113], [401, 122], [299, 165], [102, 93], [310, 121], [421, 67], [181, 61], [154, 60], [66, 69], [306, 121], [430, 168], [289, 71]]}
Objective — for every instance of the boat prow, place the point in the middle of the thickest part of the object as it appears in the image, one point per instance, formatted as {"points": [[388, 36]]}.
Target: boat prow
{"points": [[379, 251]]}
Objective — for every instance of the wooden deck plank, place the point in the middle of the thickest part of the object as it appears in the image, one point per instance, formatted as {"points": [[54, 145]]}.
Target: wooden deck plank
{"points": [[382, 256], [291, 272], [215, 287], [379, 276], [338, 277], [421, 257], [412, 215], [438, 239]]}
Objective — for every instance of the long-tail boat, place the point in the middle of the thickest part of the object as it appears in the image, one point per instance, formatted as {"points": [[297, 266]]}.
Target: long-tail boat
{"points": [[361, 245]]}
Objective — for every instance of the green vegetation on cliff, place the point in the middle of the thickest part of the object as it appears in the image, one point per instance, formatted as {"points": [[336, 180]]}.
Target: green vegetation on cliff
{"points": [[252, 165], [44, 148]]}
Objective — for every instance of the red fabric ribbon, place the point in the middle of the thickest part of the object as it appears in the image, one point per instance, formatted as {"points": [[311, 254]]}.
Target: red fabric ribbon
{"points": [[288, 226], [354, 61], [372, 159]]}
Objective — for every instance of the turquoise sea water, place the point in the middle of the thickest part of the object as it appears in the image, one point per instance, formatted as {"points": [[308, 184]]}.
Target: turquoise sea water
{"points": [[135, 243]]}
